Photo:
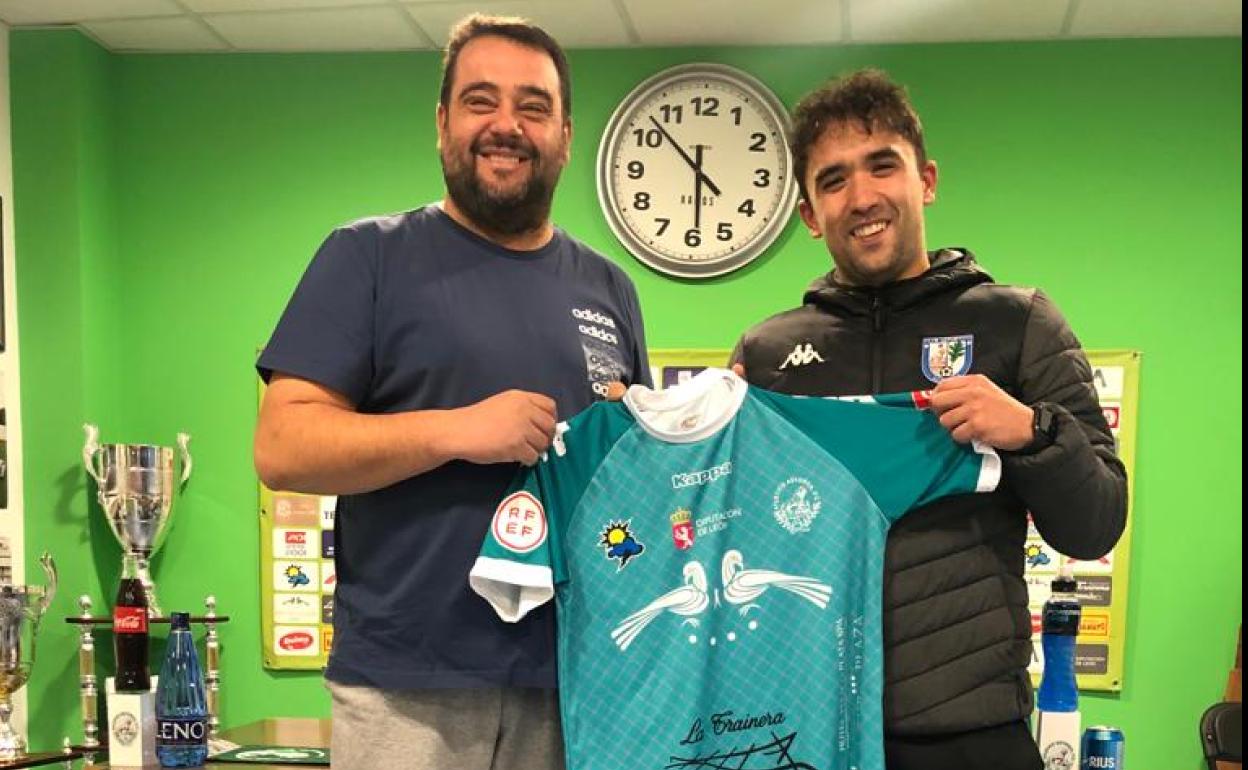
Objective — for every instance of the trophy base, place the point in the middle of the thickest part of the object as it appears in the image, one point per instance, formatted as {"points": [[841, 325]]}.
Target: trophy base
{"points": [[132, 726]]}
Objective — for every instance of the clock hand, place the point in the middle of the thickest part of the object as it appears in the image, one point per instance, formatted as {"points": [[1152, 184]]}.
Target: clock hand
{"points": [[697, 186], [696, 169]]}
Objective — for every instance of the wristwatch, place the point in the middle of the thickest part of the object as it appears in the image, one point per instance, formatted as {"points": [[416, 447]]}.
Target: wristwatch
{"points": [[1043, 428]]}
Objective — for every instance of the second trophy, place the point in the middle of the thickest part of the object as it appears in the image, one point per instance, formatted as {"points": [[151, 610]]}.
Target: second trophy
{"points": [[136, 487]]}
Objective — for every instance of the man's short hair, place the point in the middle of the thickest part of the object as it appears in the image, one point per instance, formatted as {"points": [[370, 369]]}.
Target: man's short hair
{"points": [[867, 98], [515, 29]]}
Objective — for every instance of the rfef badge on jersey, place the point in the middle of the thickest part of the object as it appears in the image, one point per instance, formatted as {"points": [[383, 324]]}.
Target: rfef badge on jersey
{"points": [[519, 523]]}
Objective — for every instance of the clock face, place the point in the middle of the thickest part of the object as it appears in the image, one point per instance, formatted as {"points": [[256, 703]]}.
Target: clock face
{"points": [[694, 173]]}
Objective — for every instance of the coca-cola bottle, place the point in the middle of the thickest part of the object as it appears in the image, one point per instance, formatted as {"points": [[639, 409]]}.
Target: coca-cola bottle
{"points": [[130, 635]]}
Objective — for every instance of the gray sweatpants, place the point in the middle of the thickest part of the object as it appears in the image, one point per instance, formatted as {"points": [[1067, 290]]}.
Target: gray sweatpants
{"points": [[490, 729]]}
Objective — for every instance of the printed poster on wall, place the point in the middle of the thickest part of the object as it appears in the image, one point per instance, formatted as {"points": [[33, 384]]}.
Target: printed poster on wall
{"points": [[297, 578], [1102, 582], [1102, 637]]}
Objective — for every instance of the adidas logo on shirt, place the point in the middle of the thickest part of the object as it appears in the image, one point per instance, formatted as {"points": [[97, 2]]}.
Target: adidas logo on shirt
{"points": [[585, 314], [802, 355]]}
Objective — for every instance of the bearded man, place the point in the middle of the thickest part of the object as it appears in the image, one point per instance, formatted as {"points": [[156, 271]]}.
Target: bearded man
{"points": [[422, 357]]}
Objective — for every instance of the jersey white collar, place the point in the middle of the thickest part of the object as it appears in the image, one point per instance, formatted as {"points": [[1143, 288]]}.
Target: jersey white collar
{"points": [[691, 411]]}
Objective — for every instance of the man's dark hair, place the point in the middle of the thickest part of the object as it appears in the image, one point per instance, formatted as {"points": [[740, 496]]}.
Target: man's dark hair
{"points": [[866, 98], [515, 29]]}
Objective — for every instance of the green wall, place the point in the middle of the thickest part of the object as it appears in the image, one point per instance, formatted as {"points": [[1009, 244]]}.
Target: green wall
{"points": [[166, 205]]}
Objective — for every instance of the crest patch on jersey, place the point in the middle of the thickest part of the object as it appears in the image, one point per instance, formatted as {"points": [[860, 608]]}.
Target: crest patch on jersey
{"points": [[682, 528], [519, 523], [796, 505], [618, 543], [946, 356]]}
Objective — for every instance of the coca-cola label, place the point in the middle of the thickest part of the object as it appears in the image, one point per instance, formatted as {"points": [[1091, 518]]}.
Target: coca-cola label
{"points": [[129, 620], [181, 731]]}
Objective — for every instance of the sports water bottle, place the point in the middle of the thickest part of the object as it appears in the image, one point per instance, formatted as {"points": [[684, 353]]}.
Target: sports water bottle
{"points": [[181, 710], [1060, 626]]}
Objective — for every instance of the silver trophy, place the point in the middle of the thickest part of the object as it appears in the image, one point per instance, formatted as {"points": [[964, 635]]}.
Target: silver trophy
{"points": [[136, 488], [21, 607]]}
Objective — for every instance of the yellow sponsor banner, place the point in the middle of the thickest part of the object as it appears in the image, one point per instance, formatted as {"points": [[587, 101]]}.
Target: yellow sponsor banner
{"points": [[296, 578]]}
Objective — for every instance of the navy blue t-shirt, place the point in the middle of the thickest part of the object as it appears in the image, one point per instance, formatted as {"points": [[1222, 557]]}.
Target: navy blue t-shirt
{"points": [[410, 312]]}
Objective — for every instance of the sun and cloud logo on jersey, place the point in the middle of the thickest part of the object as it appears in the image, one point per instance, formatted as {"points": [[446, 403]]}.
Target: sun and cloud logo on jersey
{"points": [[947, 356], [618, 543], [796, 505], [682, 528]]}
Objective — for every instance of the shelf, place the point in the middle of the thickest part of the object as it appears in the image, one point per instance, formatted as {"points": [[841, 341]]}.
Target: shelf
{"points": [[107, 620]]}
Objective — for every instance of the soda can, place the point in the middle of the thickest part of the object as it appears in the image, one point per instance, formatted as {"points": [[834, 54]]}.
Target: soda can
{"points": [[1101, 749]]}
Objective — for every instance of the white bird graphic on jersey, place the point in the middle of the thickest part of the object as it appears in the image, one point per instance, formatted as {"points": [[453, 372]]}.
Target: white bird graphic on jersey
{"points": [[688, 600], [742, 586]]}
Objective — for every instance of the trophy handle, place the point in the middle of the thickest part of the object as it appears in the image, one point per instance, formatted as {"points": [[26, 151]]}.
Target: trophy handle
{"points": [[49, 569], [91, 453], [183, 440]]}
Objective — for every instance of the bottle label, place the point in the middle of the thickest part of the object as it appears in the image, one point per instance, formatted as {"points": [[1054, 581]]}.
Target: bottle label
{"points": [[129, 620], [181, 731]]}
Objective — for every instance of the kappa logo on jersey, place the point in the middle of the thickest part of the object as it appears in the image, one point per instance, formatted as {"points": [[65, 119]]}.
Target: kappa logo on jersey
{"points": [[618, 543], [698, 478], [947, 356], [519, 523], [796, 505], [682, 529], [802, 355]]}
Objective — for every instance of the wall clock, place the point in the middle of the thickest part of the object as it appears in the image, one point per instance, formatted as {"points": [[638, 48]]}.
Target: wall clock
{"points": [[694, 173]]}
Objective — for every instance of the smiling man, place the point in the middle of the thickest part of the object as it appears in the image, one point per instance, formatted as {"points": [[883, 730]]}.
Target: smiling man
{"points": [[423, 356], [1004, 369]]}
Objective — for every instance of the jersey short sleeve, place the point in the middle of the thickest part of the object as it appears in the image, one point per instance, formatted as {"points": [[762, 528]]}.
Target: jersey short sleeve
{"points": [[517, 568], [904, 457], [522, 559]]}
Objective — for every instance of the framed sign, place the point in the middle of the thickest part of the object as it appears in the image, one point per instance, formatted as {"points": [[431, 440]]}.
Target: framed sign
{"points": [[1100, 646]]}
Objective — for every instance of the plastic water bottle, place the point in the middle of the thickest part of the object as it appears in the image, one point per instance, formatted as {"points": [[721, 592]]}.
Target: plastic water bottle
{"points": [[181, 710], [1060, 626]]}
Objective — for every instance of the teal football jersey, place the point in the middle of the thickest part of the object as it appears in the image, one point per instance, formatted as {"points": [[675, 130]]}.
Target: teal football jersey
{"points": [[716, 555]]}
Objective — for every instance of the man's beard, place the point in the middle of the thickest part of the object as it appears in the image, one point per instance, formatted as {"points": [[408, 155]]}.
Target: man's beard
{"points": [[523, 209]]}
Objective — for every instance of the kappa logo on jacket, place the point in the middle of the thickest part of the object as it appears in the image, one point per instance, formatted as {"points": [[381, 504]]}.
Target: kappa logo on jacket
{"points": [[802, 355]]}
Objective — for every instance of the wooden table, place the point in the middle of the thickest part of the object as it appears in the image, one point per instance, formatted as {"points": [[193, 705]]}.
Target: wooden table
{"points": [[281, 731]]}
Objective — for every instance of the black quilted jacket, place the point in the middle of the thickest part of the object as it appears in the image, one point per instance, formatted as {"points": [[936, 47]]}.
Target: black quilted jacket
{"points": [[957, 628]]}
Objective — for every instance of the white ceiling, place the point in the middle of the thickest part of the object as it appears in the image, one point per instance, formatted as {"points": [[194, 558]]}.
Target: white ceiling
{"points": [[336, 25]]}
